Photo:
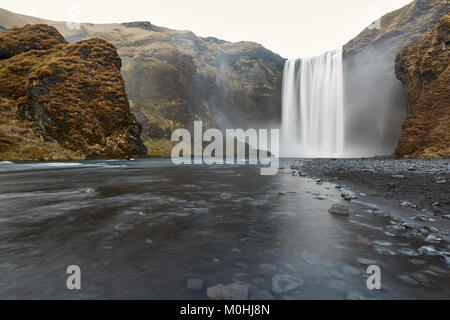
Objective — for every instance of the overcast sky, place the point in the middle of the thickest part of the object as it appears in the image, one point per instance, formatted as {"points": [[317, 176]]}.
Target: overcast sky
{"points": [[292, 28]]}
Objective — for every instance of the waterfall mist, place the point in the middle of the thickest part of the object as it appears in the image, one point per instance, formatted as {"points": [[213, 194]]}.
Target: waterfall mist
{"points": [[335, 106], [313, 107]]}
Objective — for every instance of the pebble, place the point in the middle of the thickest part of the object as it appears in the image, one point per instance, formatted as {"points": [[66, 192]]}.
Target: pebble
{"points": [[366, 262], [233, 291], [282, 283], [435, 204], [421, 278], [407, 279], [225, 196], [338, 284], [195, 284], [408, 252], [124, 227], [347, 196], [261, 295], [428, 250], [352, 271], [432, 238], [383, 243], [417, 262], [407, 204], [339, 209], [420, 217], [431, 229], [383, 250]]}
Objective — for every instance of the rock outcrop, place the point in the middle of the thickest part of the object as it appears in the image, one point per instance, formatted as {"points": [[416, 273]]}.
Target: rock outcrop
{"points": [[424, 70], [61, 100], [175, 77], [371, 87]]}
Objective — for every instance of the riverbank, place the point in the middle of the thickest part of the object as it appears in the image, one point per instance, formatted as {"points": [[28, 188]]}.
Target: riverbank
{"points": [[416, 190]]}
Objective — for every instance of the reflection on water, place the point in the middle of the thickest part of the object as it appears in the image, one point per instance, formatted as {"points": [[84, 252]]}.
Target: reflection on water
{"points": [[140, 229]]}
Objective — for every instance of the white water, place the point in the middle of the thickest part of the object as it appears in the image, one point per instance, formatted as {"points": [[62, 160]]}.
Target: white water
{"points": [[313, 115]]}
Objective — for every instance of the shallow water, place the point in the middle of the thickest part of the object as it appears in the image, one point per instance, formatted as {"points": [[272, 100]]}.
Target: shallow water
{"points": [[140, 229]]}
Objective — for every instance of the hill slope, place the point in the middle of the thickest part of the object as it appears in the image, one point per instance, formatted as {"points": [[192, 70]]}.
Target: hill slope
{"points": [[174, 77]]}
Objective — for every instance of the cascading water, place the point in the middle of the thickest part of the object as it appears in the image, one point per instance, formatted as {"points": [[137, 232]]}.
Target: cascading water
{"points": [[313, 115]]}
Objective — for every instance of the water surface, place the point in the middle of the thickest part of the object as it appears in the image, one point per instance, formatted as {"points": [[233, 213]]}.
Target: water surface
{"points": [[140, 229]]}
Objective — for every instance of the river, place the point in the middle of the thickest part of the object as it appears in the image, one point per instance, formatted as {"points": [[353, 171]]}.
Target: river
{"points": [[139, 229]]}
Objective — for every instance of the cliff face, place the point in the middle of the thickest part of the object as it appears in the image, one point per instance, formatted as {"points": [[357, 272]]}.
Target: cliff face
{"points": [[372, 90], [174, 77], [424, 70], [62, 101]]}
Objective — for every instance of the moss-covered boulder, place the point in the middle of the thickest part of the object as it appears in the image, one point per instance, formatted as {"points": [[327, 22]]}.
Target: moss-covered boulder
{"points": [[69, 94]]}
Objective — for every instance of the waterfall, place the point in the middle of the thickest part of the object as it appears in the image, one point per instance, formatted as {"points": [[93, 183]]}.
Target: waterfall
{"points": [[313, 115]]}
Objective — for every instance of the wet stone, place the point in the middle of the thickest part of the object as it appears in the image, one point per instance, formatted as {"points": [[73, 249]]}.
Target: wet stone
{"points": [[283, 283], [233, 291], [366, 262], [351, 271], [418, 262], [407, 279], [339, 209], [383, 243], [427, 250], [123, 227], [195, 284], [431, 229], [408, 252], [385, 251], [337, 284], [432, 238], [261, 295]]}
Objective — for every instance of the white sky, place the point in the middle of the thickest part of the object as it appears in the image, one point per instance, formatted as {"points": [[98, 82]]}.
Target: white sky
{"points": [[292, 28]]}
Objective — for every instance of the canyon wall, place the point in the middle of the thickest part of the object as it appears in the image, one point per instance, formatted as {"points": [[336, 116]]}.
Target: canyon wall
{"points": [[424, 69], [375, 102], [174, 77]]}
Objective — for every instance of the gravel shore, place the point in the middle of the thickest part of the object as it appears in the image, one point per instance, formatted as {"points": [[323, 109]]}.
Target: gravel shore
{"points": [[417, 188]]}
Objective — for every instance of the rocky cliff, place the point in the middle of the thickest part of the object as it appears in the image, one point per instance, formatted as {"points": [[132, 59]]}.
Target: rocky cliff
{"points": [[61, 100], [371, 87], [175, 77], [424, 70]]}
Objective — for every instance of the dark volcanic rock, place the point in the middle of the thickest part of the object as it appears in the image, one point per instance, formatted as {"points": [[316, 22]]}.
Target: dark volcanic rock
{"points": [[73, 94], [424, 70], [339, 209]]}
